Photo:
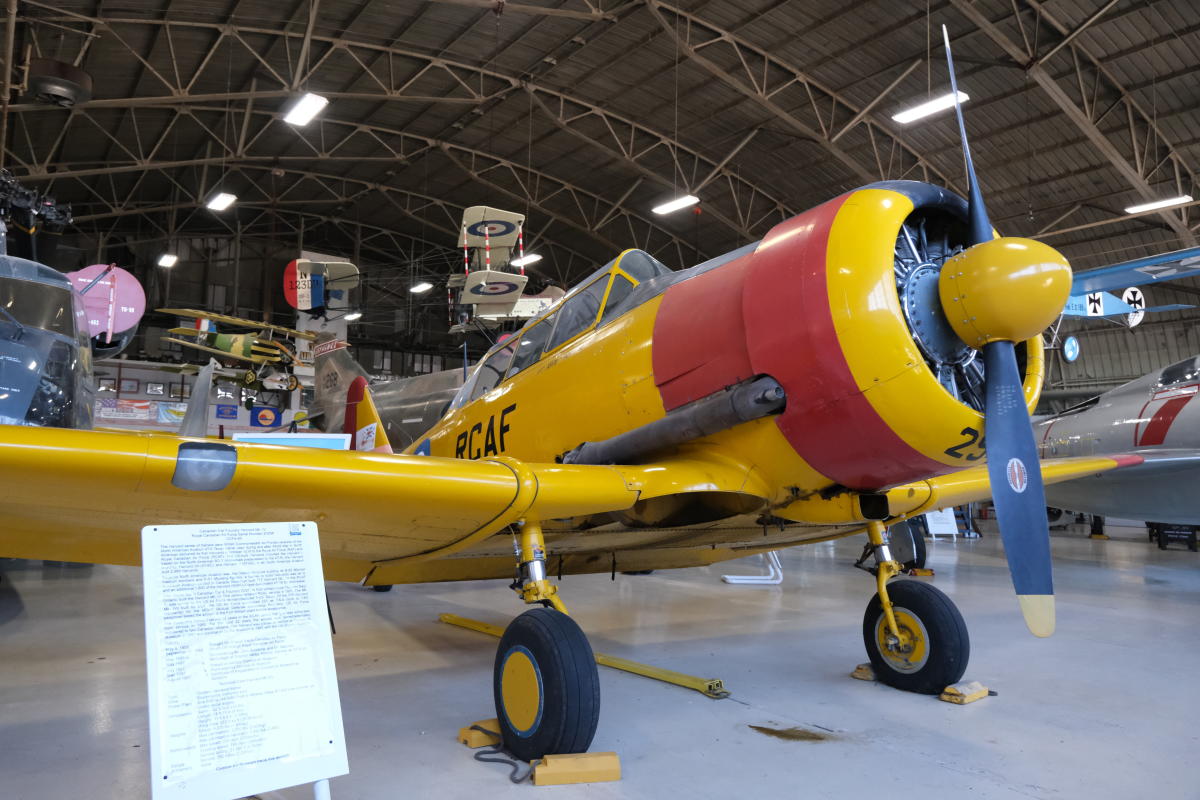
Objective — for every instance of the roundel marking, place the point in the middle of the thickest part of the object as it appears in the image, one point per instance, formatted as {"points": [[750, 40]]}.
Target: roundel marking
{"points": [[1018, 477], [493, 288], [491, 227], [266, 416], [1070, 348]]}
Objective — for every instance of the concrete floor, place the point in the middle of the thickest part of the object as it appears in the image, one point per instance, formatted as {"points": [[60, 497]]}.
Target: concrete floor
{"points": [[1105, 708]]}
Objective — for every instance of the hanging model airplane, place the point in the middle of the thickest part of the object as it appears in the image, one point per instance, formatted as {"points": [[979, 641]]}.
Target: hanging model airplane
{"points": [[270, 358], [1091, 291], [1155, 417], [838, 380]]}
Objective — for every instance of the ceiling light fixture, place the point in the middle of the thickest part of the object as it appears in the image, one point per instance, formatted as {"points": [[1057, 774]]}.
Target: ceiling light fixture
{"points": [[931, 107], [305, 108], [676, 204], [526, 260], [221, 201], [421, 288], [1157, 204], [167, 260], [353, 315]]}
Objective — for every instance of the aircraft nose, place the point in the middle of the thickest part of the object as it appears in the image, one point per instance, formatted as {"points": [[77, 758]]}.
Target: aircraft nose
{"points": [[1006, 289]]}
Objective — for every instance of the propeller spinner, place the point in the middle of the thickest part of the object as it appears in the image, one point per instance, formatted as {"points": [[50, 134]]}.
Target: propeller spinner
{"points": [[997, 292]]}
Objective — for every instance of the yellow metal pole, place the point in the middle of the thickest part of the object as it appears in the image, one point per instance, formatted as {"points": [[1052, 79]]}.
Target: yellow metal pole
{"points": [[710, 687], [885, 569]]}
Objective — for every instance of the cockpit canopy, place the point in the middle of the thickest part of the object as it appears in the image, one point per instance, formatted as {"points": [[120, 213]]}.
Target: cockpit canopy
{"points": [[1182, 372], [592, 302], [45, 354]]}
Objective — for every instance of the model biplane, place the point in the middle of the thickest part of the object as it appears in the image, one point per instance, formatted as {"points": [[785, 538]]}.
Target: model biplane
{"points": [[868, 360], [261, 345]]}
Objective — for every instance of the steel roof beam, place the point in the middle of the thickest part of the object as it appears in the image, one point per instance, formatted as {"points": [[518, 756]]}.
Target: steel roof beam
{"points": [[739, 188], [1084, 118], [753, 80]]}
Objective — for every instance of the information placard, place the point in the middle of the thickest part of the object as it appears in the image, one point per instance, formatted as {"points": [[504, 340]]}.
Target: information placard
{"points": [[942, 523], [239, 658]]}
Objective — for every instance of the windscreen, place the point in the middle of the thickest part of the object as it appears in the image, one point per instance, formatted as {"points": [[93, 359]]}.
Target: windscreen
{"points": [[38, 305]]}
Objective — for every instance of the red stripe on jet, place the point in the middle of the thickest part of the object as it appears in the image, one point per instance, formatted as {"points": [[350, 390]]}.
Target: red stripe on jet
{"points": [[1155, 431]]}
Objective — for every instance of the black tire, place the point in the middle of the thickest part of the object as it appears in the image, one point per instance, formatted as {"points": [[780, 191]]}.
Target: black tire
{"points": [[1163, 539], [947, 646], [1151, 531], [1191, 542], [564, 679], [382, 587], [908, 546]]}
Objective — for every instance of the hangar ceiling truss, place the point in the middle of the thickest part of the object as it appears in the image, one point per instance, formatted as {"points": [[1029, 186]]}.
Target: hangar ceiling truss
{"points": [[1095, 102]]}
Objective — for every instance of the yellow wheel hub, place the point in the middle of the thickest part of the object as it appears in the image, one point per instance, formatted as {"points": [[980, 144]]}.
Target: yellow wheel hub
{"points": [[912, 651], [521, 690]]}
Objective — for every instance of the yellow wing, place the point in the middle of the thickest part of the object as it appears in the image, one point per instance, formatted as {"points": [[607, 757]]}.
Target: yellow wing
{"points": [[75, 495], [222, 353], [239, 322], [972, 484]]}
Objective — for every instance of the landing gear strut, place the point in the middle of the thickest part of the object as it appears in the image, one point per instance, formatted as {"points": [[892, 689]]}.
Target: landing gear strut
{"points": [[915, 637], [545, 681]]}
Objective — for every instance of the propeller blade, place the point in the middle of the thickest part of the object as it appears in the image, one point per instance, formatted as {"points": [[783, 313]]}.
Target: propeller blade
{"points": [[981, 227], [1016, 478]]}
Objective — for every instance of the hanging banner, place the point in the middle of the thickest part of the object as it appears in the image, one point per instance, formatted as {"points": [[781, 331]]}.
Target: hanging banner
{"points": [[171, 413], [112, 408], [265, 417]]}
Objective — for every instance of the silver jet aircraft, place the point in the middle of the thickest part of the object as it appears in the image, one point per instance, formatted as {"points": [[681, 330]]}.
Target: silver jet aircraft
{"points": [[1157, 417]]}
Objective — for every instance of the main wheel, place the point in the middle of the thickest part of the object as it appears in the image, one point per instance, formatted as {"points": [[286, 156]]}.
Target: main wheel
{"points": [[546, 686], [935, 647], [907, 545]]}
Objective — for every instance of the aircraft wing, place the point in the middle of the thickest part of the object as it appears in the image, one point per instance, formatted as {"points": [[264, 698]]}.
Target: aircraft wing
{"points": [[215, 351], [1152, 269], [239, 322], [972, 485], [76, 495]]}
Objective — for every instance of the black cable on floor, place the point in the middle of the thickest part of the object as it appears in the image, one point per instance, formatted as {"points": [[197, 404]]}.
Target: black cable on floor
{"points": [[496, 754]]}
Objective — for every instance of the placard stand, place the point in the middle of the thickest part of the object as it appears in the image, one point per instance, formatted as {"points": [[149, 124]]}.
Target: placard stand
{"points": [[942, 523], [243, 693]]}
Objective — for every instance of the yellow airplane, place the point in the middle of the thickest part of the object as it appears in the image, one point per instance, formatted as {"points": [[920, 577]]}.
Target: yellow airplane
{"points": [[269, 356], [823, 382]]}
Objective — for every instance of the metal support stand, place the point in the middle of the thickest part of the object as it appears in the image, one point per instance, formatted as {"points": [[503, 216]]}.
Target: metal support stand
{"points": [[774, 575]]}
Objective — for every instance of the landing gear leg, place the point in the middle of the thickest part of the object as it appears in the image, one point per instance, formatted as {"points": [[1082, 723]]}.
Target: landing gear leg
{"points": [[532, 583], [545, 682], [914, 635]]}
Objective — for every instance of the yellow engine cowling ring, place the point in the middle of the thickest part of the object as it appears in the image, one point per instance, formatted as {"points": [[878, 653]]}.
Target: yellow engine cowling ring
{"points": [[824, 317], [888, 366]]}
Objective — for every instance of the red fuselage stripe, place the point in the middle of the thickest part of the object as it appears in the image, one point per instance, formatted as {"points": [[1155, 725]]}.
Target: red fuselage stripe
{"points": [[1155, 431], [791, 336]]}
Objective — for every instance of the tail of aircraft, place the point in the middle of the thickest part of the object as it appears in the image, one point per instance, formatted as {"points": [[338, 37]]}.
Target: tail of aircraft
{"points": [[333, 371], [195, 419], [405, 407], [362, 420]]}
